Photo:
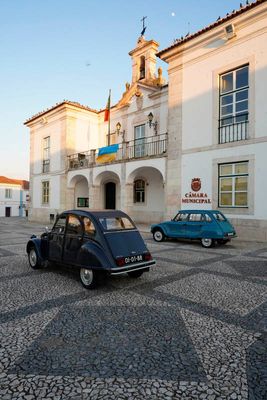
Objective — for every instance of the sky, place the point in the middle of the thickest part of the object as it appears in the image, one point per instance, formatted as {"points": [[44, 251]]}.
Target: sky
{"points": [[51, 50]]}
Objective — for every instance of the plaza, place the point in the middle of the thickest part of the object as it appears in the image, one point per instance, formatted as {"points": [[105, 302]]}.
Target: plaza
{"points": [[194, 327]]}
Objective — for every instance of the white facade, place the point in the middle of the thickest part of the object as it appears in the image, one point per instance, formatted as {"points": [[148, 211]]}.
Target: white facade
{"points": [[216, 127], [210, 118], [65, 141], [13, 198]]}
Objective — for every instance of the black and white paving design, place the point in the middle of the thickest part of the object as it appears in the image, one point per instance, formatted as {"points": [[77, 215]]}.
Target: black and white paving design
{"points": [[194, 327]]}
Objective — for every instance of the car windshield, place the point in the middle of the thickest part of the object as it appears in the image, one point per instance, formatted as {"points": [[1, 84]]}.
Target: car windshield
{"points": [[219, 217], [116, 223]]}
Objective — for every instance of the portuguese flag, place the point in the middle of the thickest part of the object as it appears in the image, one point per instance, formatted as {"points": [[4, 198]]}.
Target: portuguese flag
{"points": [[107, 110]]}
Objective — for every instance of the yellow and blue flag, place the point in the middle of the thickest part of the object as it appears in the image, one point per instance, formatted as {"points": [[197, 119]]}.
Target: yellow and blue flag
{"points": [[107, 154]]}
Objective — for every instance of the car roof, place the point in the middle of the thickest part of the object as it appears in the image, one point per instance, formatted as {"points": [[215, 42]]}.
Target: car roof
{"points": [[97, 213], [199, 211]]}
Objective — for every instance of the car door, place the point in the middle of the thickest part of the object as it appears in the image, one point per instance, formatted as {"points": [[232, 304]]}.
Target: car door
{"points": [[56, 239], [176, 227], [194, 225], [73, 239]]}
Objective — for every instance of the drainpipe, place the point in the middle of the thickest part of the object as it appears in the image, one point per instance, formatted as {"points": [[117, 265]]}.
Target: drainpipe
{"points": [[21, 203]]}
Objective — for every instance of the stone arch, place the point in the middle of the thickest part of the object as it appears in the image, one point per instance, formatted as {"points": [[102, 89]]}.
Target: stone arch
{"points": [[152, 208], [142, 67], [73, 179], [107, 189], [78, 191]]}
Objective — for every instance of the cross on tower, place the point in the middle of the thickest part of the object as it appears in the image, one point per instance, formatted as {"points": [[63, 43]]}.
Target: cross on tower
{"points": [[144, 27]]}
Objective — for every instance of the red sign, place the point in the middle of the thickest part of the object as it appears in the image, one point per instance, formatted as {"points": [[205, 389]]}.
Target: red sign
{"points": [[194, 197]]}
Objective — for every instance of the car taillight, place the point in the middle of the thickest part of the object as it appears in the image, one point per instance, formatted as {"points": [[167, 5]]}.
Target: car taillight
{"points": [[147, 257], [120, 261]]}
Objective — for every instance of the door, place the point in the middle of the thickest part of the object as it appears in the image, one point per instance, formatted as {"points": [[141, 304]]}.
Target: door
{"points": [[56, 239], [139, 141], [194, 225], [73, 240], [110, 196], [8, 211], [177, 227]]}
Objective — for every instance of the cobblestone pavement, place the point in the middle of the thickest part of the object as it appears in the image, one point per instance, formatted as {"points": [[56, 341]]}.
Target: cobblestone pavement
{"points": [[194, 327]]}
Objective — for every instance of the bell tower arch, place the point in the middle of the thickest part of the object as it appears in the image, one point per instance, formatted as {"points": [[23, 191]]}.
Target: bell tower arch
{"points": [[144, 61]]}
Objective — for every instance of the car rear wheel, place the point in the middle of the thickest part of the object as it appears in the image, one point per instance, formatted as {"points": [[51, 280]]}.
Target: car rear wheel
{"points": [[158, 235], [34, 259], [207, 242], [88, 278], [135, 274]]}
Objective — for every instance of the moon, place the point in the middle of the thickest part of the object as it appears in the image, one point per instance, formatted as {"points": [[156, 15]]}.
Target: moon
{"points": [[173, 14]]}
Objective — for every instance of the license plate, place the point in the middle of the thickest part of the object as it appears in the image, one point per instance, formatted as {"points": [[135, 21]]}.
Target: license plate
{"points": [[230, 234], [133, 259]]}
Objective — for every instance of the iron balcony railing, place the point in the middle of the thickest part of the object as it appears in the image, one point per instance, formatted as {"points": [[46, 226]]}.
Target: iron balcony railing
{"points": [[134, 149], [231, 130]]}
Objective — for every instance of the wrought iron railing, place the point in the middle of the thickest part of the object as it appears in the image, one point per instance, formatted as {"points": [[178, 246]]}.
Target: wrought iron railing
{"points": [[134, 149], [233, 132]]}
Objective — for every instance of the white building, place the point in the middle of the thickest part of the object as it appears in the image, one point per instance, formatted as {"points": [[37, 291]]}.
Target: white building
{"points": [[13, 197], [218, 119], [214, 111], [65, 170]]}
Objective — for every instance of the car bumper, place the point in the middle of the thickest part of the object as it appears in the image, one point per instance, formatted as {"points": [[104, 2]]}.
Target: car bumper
{"points": [[132, 267], [229, 235]]}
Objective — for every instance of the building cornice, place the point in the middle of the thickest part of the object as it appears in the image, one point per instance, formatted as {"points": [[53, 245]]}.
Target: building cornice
{"points": [[214, 29], [63, 104]]}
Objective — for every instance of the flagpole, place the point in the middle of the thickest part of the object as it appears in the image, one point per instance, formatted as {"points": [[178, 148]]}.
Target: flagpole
{"points": [[109, 118]]}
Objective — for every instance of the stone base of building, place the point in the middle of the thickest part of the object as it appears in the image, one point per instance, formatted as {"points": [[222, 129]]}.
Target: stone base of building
{"points": [[250, 229], [43, 215]]}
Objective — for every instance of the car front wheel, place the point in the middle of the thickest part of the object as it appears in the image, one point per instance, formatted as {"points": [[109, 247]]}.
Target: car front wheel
{"points": [[34, 259], [158, 235], [207, 242], [88, 278]]}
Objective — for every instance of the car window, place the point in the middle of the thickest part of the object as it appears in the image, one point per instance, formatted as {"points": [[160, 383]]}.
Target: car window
{"points": [[219, 217], [181, 217], [60, 224], [74, 226], [116, 223], [207, 218], [195, 217], [89, 227]]}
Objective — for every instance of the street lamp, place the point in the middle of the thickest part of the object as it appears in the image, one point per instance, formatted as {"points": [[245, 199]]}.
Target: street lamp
{"points": [[119, 132], [151, 123]]}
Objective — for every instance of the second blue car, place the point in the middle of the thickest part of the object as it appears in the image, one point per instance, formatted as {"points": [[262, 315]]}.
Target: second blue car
{"points": [[208, 226]]}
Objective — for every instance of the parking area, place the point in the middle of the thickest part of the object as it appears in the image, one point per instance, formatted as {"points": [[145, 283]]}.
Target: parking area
{"points": [[194, 327]]}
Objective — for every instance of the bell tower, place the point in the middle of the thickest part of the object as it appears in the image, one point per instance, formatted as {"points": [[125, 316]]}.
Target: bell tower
{"points": [[144, 61]]}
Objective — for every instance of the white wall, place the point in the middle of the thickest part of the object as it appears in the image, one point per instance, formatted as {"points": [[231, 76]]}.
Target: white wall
{"points": [[201, 69], [14, 203], [54, 196], [201, 165]]}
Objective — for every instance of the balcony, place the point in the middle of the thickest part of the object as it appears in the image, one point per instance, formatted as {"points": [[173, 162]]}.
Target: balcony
{"points": [[233, 130], [153, 146]]}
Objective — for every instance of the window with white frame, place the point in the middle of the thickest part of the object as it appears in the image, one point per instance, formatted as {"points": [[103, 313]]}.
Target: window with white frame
{"points": [[8, 193], [139, 191], [46, 154], [234, 91], [45, 192], [233, 184], [139, 140]]}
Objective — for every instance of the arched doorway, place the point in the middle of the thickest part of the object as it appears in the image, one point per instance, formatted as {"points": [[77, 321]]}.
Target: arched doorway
{"points": [[78, 192], [110, 195]]}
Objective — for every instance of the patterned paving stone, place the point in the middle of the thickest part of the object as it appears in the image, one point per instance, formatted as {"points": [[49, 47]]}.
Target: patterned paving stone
{"points": [[193, 328], [220, 292]]}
